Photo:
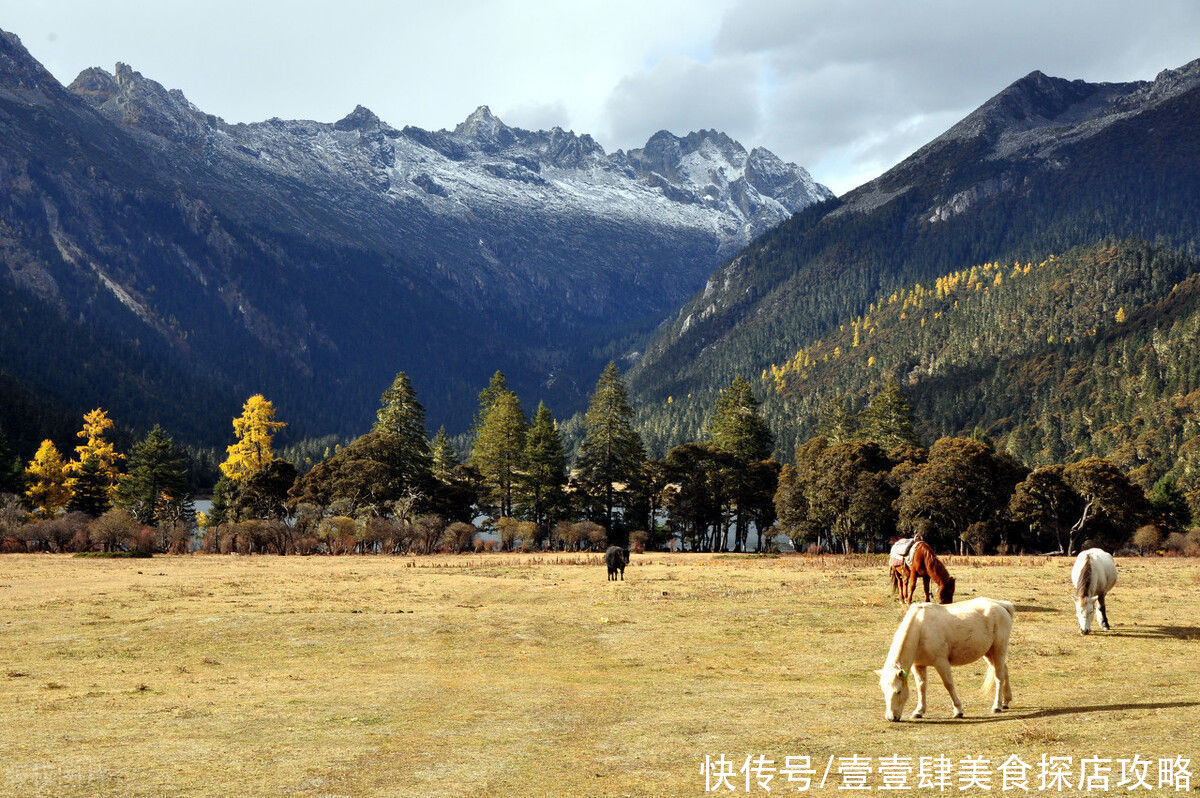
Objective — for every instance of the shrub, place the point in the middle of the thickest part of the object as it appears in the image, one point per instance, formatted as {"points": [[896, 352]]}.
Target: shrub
{"points": [[1147, 538], [116, 529], [144, 540], [1175, 543], [593, 533], [506, 528], [637, 540], [460, 536], [429, 530]]}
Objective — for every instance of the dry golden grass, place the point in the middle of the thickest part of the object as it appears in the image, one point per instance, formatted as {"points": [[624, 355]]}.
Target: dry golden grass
{"points": [[532, 675]]}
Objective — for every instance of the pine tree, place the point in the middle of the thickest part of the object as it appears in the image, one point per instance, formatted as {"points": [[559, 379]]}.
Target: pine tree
{"points": [[497, 385], [49, 481], [255, 429], [545, 468], [156, 485], [499, 449], [611, 451], [398, 439], [445, 459], [889, 419], [93, 490], [736, 427], [837, 420]]}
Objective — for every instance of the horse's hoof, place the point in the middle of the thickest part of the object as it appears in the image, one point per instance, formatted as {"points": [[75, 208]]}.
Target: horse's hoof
{"points": [[996, 710], [958, 714], [918, 715]]}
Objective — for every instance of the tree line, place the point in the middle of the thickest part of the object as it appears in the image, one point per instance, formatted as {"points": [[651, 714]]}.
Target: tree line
{"points": [[860, 482]]}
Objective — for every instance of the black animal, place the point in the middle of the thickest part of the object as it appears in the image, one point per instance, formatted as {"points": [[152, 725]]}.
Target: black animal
{"points": [[616, 558]]}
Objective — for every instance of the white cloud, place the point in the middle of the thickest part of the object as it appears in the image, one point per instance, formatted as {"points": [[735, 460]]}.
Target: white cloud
{"points": [[844, 87]]}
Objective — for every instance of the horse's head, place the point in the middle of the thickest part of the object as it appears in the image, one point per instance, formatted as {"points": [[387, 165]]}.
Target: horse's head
{"points": [[946, 592], [1085, 610], [893, 681]]}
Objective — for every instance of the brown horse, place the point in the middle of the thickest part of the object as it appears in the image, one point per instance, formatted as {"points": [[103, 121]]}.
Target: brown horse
{"points": [[926, 565]]}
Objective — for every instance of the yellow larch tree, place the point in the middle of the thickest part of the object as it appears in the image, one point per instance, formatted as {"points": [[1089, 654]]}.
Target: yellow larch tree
{"points": [[255, 428], [49, 480], [95, 425]]}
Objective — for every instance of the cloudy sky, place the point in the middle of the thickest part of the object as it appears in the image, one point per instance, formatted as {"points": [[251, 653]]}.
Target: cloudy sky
{"points": [[845, 88]]}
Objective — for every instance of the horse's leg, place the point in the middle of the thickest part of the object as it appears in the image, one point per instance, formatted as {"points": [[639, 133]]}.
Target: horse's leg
{"points": [[911, 585], [1103, 613], [919, 678], [925, 584], [943, 669], [996, 663]]}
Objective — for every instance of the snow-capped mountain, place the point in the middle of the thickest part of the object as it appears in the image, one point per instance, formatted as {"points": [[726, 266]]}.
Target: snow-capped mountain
{"points": [[706, 180], [306, 259]]}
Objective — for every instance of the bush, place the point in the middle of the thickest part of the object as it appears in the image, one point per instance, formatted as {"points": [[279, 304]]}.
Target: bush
{"points": [[1147, 539], [637, 540], [461, 536], [593, 533], [506, 528], [116, 529], [115, 555], [429, 530]]}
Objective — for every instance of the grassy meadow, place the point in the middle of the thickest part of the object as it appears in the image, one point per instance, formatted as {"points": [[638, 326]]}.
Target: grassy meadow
{"points": [[532, 675]]}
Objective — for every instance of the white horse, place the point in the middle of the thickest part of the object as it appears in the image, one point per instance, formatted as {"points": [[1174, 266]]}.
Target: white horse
{"points": [[1094, 574], [943, 635]]}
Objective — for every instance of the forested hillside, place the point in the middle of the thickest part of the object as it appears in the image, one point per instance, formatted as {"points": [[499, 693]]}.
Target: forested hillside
{"points": [[1094, 353], [1045, 166]]}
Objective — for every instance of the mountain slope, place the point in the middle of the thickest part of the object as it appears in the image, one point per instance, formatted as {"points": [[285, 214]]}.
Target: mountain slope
{"points": [[311, 261], [1045, 165]]}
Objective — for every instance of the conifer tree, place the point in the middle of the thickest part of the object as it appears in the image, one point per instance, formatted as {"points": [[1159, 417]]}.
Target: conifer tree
{"points": [[888, 419], [611, 451], [497, 385], [399, 439], [49, 481], [95, 468], [499, 449], [545, 468], [445, 459], [156, 485], [736, 427], [255, 429], [93, 492], [837, 421]]}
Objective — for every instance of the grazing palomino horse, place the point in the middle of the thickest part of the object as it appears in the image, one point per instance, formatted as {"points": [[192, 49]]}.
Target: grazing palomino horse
{"points": [[616, 558], [944, 636], [1094, 574], [926, 565]]}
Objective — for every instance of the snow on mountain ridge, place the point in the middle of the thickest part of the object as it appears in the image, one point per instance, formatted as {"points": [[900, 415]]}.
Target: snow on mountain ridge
{"points": [[703, 181]]}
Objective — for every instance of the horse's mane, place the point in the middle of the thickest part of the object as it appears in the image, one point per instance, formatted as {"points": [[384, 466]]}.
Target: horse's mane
{"points": [[1084, 586], [901, 636], [936, 569]]}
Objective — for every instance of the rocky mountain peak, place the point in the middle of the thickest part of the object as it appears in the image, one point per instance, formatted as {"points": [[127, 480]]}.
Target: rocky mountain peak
{"points": [[361, 118], [19, 71], [481, 123], [139, 102]]}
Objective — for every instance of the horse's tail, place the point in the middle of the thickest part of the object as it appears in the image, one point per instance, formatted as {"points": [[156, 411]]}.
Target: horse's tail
{"points": [[1008, 607], [1084, 586], [989, 681], [895, 577]]}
